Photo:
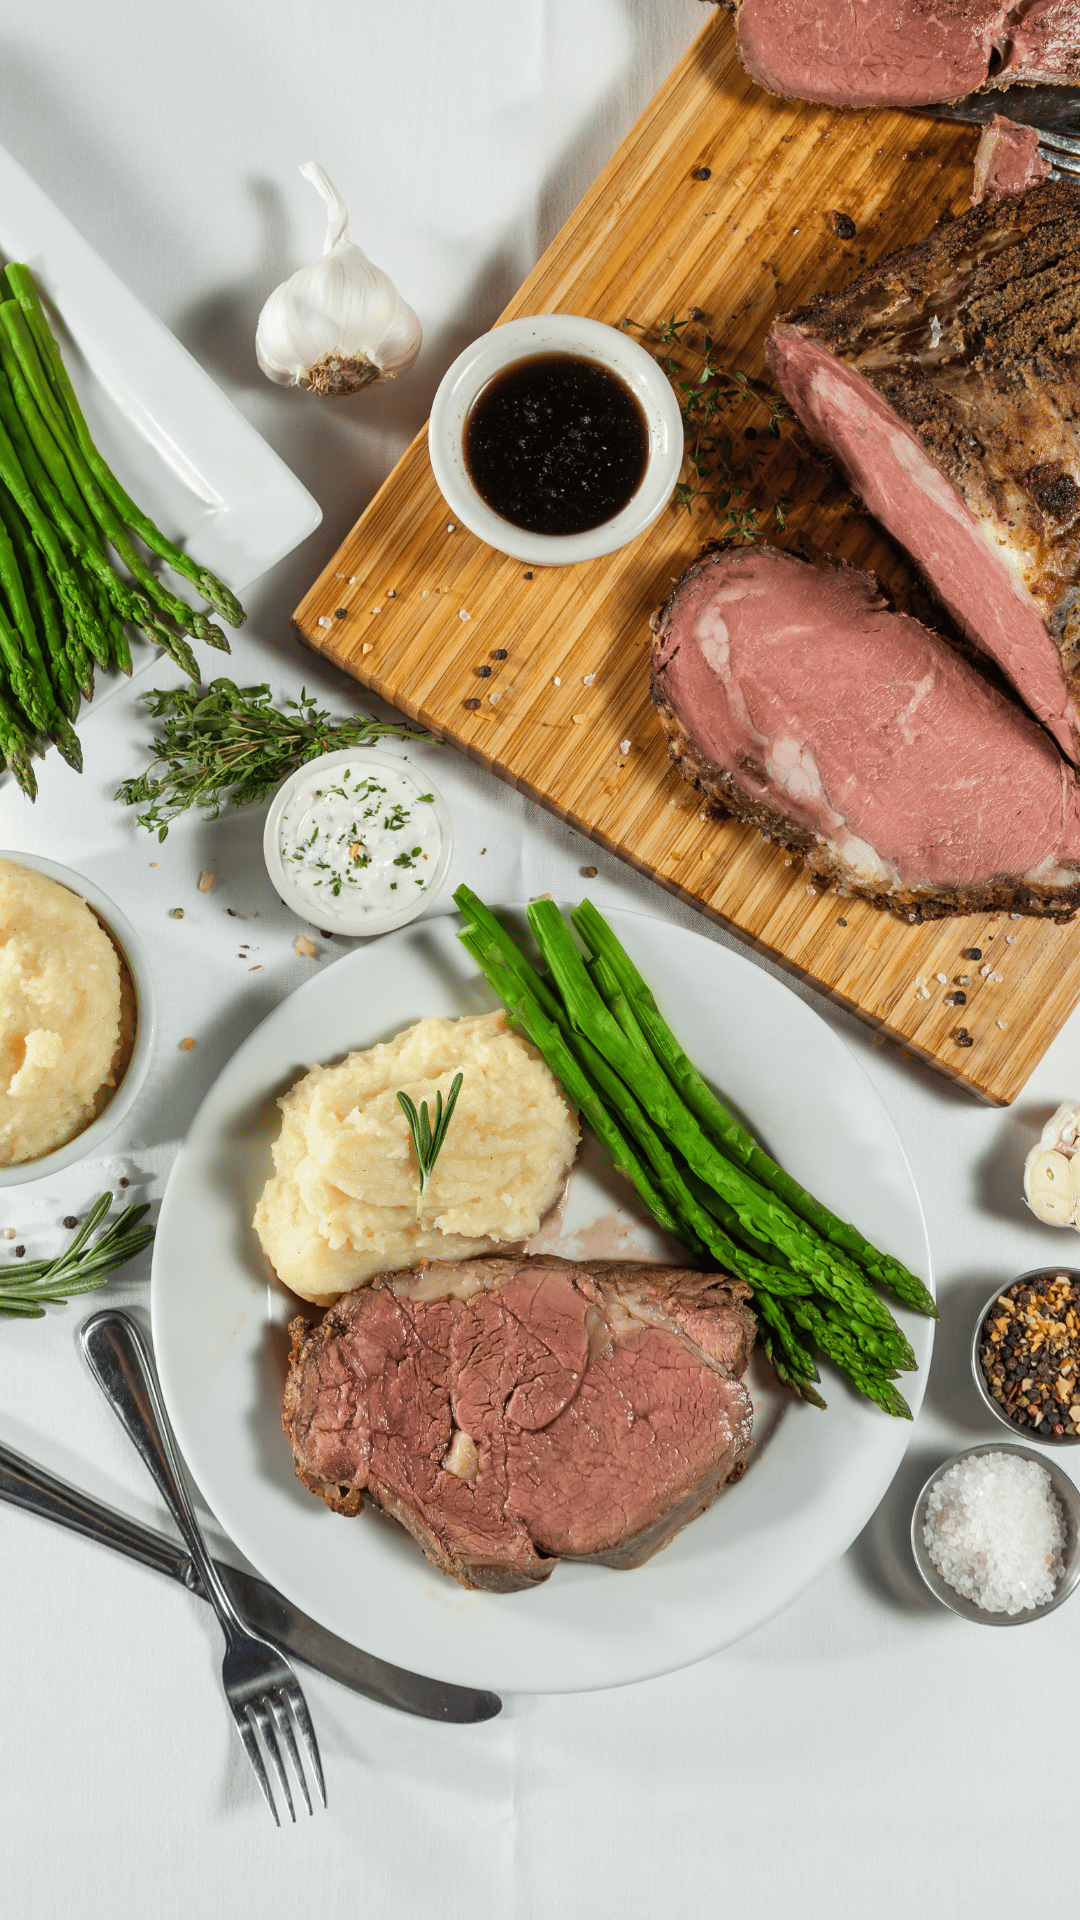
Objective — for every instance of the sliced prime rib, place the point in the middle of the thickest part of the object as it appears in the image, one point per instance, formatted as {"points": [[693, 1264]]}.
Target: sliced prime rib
{"points": [[1007, 160], [946, 381], [510, 1413], [905, 53], [792, 698]]}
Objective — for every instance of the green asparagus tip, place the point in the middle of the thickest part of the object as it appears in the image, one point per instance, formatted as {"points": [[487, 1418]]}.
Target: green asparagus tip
{"points": [[18, 760], [222, 601]]}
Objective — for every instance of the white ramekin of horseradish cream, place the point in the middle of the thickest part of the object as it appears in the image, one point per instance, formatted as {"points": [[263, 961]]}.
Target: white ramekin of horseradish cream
{"points": [[357, 842]]}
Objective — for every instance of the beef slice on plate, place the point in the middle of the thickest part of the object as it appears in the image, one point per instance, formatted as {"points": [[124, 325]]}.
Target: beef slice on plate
{"points": [[514, 1412]]}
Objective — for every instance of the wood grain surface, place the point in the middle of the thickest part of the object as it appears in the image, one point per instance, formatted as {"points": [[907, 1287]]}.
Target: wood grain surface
{"points": [[414, 607]]}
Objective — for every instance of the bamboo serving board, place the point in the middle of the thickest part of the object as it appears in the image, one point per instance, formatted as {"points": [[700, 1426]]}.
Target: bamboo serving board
{"points": [[414, 607]]}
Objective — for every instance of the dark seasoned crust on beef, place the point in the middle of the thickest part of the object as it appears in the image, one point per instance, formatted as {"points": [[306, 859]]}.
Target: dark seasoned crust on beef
{"points": [[727, 794], [972, 340], [380, 1388]]}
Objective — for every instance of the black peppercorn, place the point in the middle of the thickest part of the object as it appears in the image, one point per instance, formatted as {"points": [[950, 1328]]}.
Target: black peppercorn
{"points": [[472, 703], [341, 613], [483, 673], [70, 1221], [528, 576], [842, 225], [499, 653], [974, 953], [702, 173]]}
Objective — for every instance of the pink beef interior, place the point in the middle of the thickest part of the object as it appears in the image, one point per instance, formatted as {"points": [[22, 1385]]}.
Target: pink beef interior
{"points": [[1007, 160], [908, 493], [905, 53], [1043, 43], [862, 725], [868, 52], [584, 1437]]}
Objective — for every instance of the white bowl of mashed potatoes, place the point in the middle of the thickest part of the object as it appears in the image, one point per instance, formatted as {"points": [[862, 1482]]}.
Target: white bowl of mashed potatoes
{"points": [[77, 1017]]}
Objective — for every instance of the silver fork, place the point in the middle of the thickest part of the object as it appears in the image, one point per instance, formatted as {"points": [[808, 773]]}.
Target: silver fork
{"points": [[259, 1683], [1062, 153]]}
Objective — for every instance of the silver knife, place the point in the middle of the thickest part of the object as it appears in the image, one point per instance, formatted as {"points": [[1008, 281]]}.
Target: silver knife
{"points": [[1051, 109], [28, 1486]]}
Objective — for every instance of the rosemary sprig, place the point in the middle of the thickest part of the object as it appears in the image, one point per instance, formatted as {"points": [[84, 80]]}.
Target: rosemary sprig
{"points": [[707, 392], [228, 745], [427, 1139], [27, 1289]]}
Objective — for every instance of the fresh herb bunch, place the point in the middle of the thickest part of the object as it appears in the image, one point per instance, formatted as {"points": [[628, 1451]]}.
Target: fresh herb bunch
{"points": [[706, 1179], [707, 392], [65, 608], [26, 1289], [228, 745], [428, 1140]]}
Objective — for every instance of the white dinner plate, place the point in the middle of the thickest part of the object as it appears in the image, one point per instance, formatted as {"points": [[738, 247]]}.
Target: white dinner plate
{"points": [[220, 1318], [181, 449]]}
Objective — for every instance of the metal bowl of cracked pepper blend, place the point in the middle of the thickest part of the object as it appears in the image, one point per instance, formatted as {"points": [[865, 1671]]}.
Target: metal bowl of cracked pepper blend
{"points": [[1025, 1355]]}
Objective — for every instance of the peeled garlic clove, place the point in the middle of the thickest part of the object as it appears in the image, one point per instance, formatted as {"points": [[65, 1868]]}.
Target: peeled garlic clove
{"points": [[340, 324]]}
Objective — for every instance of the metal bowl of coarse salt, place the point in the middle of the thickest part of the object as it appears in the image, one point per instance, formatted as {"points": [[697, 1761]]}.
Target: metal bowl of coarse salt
{"points": [[1000, 1554], [1043, 1435]]}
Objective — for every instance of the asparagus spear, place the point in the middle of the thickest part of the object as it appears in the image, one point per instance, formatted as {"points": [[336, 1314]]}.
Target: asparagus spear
{"points": [[45, 423], [54, 721], [212, 589], [28, 483], [46, 609], [725, 1129], [15, 748], [869, 1347], [760, 1213], [545, 1035]]}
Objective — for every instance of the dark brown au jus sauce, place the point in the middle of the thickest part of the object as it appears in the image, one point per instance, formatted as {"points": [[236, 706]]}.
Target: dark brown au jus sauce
{"points": [[556, 443]]}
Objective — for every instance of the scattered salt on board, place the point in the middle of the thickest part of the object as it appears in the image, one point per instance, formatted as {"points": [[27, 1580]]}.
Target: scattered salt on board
{"points": [[996, 1533]]}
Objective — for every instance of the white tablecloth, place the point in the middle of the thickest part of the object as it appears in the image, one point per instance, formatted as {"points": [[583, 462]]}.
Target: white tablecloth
{"points": [[864, 1752]]}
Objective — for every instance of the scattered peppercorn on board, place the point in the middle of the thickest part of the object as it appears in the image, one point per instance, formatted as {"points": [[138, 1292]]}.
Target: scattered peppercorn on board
{"points": [[723, 200]]}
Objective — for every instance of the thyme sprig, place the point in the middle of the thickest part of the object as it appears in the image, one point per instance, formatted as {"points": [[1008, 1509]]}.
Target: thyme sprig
{"points": [[427, 1139], [25, 1290], [708, 391], [228, 745]]}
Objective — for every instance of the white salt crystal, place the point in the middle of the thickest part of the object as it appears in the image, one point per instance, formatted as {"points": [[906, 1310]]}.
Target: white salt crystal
{"points": [[995, 1532], [624, 746]]}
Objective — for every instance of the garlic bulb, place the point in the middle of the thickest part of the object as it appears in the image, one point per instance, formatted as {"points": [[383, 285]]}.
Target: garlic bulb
{"points": [[1052, 1170], [340, 324]]}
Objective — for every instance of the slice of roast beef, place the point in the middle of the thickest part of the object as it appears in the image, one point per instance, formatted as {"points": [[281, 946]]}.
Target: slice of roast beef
{"points": [[511, 1413], [793, 699], [906, 53], [1007, 160], [945, 381]]}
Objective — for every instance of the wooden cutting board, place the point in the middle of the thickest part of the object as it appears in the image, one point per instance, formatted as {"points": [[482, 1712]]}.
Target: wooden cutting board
{"points": [[417, 609]]}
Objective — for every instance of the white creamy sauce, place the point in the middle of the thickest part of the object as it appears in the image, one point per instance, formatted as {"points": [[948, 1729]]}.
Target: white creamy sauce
{"points": [[357, 844]]}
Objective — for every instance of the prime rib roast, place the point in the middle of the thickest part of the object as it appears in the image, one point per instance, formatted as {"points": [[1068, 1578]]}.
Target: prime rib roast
{"points": [[905, 53], [792, 698], [945, 382], [514, 1412]]}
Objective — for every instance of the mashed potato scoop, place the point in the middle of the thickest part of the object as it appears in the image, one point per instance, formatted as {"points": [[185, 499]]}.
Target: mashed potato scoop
{"points": [[344, 1202]]}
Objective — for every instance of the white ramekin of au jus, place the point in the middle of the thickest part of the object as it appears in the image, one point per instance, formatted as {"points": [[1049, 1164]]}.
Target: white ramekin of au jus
{"points": [[331, 914], [518, 340], [136, 987]]}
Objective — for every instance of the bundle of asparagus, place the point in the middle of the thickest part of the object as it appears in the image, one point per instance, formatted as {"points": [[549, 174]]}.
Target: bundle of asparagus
{"points": [[702, 1175], [63, 605]]}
